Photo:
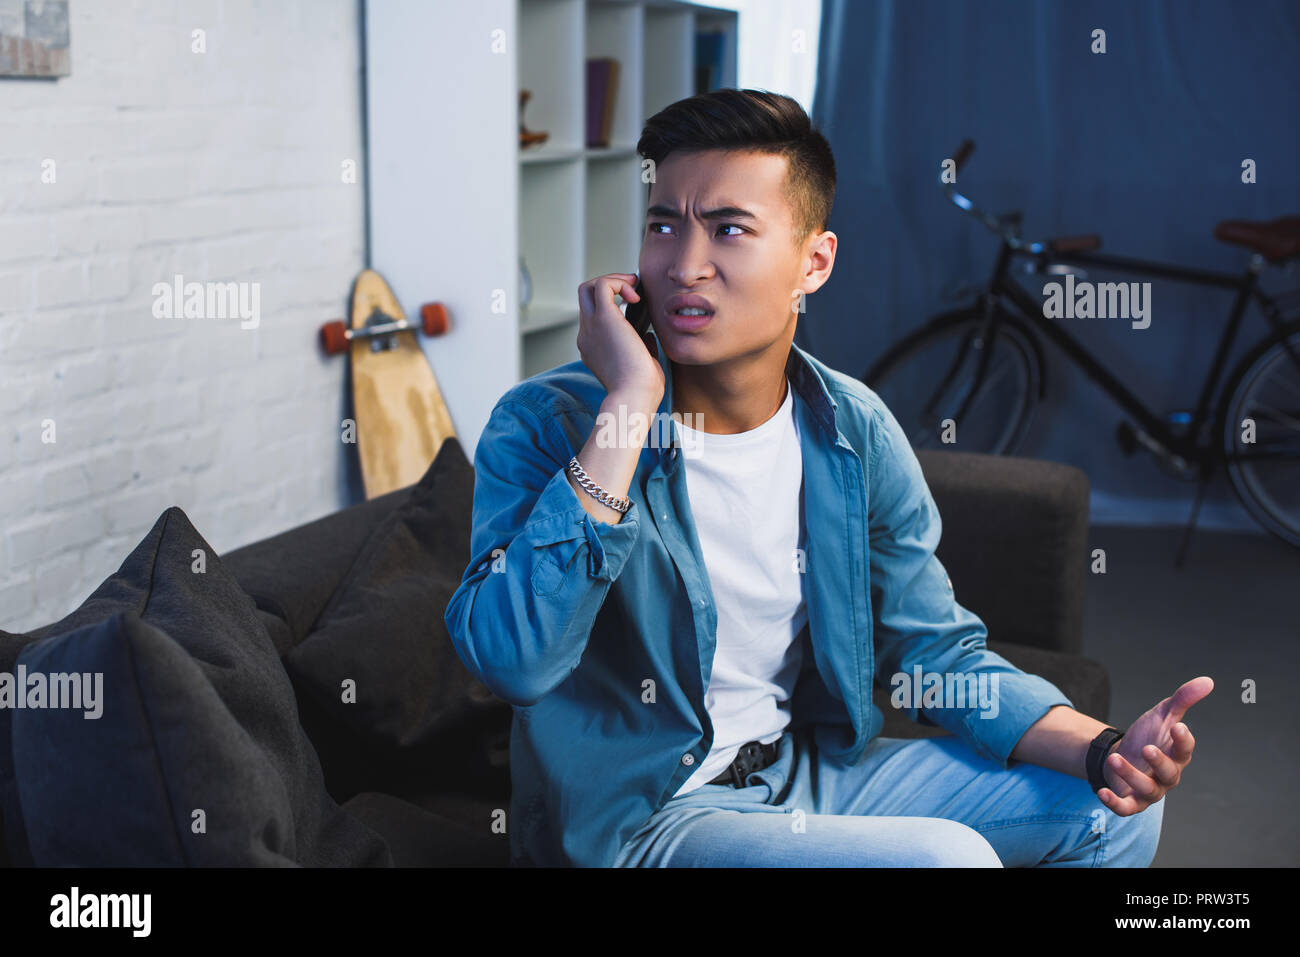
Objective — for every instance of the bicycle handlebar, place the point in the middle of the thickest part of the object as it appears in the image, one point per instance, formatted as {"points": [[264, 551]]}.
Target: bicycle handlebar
{"points": [[963, 153], [1006, 227], [991, 222]]}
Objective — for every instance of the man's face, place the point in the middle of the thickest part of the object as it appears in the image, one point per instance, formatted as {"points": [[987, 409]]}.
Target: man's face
{"points": [[699, 241]]}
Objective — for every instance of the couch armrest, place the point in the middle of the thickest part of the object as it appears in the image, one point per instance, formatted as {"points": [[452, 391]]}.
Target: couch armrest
{"points": [[1014, 543]]}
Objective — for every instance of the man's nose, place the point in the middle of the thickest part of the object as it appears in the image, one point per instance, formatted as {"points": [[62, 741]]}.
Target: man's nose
{"points": [[692, 261]]}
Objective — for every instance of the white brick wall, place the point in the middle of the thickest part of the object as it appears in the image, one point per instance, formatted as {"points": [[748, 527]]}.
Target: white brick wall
{"points": [[224, 167]]}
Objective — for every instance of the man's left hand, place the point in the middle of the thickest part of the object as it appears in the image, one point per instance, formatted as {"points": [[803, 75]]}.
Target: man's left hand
{"points": [[1148, 762]]}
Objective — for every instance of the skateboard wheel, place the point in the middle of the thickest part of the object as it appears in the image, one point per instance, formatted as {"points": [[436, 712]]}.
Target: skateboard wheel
{"points": [[334, 337], [433, 317]]}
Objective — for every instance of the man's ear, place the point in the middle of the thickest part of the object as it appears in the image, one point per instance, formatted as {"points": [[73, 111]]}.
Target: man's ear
{"points": [[821, 252]]}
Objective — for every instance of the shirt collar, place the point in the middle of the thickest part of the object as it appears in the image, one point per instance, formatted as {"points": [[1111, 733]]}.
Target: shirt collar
{"points": [[805, 379]]}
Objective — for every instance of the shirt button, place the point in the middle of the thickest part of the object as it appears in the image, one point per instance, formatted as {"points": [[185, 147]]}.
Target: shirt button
{"points": [[688, 759]]}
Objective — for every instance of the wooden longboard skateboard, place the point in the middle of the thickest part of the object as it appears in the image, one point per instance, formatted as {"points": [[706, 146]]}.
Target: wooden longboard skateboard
{"points": [[401, 418]]}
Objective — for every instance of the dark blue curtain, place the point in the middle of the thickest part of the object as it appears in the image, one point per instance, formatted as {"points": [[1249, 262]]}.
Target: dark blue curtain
{"points": [[1142, 144]]}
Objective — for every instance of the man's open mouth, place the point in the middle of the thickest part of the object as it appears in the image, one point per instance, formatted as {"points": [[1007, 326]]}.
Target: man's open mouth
{"points": [[688, 306]]}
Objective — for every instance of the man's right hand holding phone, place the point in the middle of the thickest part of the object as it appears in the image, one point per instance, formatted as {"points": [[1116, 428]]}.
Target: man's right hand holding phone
{"points": [[620, 358], [624, 364]]}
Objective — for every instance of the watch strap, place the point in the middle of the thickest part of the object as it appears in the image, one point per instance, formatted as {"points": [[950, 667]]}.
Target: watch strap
{"points": [[1098, 751]]}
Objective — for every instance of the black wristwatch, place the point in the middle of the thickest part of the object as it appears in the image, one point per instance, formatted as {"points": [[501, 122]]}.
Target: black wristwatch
{"points": [[1098, 751]]}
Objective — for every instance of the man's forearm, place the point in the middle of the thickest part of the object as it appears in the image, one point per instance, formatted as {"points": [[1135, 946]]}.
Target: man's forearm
{"points": [[1059, 740], [612, 464]]}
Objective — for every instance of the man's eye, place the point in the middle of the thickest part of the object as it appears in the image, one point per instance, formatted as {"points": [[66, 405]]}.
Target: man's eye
{"points": [[652, 226]]}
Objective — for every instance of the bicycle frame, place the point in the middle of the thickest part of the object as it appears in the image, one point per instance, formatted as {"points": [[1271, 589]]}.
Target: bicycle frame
{"points": [[1003, 288]]}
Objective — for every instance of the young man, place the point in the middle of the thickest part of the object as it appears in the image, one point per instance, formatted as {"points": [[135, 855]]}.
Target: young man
{"points": [[689, 640]]}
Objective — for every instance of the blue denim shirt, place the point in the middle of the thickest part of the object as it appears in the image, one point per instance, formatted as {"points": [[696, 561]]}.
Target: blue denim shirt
{"points": [[570, 619]]}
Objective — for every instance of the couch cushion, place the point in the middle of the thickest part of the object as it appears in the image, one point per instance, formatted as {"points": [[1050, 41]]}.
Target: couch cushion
{"points": [[381, 689], [293, 575], [193, 688], [421, 837]]}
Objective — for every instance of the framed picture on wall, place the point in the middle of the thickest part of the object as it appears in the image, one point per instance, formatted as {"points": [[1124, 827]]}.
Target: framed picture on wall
{"points": [[34, 38]]}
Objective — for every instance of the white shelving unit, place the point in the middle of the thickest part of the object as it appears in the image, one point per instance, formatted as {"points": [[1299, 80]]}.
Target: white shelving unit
{"points": [[581, 210], [454, 202]]}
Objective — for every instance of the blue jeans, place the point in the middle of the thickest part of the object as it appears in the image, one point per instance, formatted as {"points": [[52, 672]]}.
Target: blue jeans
{"points": [[908, 802]]}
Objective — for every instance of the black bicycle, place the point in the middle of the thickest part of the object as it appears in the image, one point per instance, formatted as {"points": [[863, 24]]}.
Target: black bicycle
{"points": [[979, 368]]}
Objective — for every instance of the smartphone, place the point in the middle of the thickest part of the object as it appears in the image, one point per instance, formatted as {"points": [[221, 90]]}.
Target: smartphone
{"points": [[637, 313]]}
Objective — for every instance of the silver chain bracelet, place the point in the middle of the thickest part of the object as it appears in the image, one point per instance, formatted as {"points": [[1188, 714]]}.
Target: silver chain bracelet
{"points": [[620, 505]]}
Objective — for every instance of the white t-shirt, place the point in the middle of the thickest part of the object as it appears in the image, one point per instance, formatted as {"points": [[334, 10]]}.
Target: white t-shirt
{"points": [[745, 493]]}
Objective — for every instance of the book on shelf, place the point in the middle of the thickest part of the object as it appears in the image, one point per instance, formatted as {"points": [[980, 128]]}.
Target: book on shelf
{"points": [[602, 87]]}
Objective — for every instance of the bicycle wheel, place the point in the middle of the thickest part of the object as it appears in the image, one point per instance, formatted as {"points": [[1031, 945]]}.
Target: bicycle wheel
{"points": [[925, 377], [1265, 473]]}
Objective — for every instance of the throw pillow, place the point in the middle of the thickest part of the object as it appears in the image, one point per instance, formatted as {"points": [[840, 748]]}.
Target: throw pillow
{"points": [[170, 624], [380, 685]]}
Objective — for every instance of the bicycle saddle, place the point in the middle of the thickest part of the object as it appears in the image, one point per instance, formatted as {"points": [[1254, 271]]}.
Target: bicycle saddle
{"points": [[1275, 241]]}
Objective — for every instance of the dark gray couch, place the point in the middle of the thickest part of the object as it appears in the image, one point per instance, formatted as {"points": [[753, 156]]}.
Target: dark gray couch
{"points": [[1014, 542], [417, 767]]}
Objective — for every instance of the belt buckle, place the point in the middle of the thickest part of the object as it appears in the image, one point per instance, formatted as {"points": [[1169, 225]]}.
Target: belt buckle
{"points": [[747, 759]]}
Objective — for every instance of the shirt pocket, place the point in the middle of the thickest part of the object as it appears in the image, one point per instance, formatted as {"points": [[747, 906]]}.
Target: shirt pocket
{"points": [[552, 568]]}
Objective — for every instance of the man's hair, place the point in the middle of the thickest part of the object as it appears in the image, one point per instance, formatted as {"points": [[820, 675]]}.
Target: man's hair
{"points": [[758, 121]]}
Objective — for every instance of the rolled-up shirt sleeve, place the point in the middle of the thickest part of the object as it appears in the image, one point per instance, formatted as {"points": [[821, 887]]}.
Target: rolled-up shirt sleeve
{"points": [[540, 565], [917, 620]]}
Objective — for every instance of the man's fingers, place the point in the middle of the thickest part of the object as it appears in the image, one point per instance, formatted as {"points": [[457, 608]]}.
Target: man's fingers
{"points": [[1141, 784], [1184, 743], [1121, 806], [1187, 695], [595, 293], [624, 288], [1163, 767]]}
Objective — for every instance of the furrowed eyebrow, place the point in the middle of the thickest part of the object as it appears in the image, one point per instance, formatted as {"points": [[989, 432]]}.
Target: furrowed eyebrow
{"points": [[722, 212]]}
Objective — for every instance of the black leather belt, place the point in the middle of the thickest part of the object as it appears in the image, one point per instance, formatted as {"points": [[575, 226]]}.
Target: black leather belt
{"points": [[753, 756]]}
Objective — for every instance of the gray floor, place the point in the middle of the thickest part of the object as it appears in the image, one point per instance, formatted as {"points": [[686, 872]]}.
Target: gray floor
{"points": [[1233, 613]]}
